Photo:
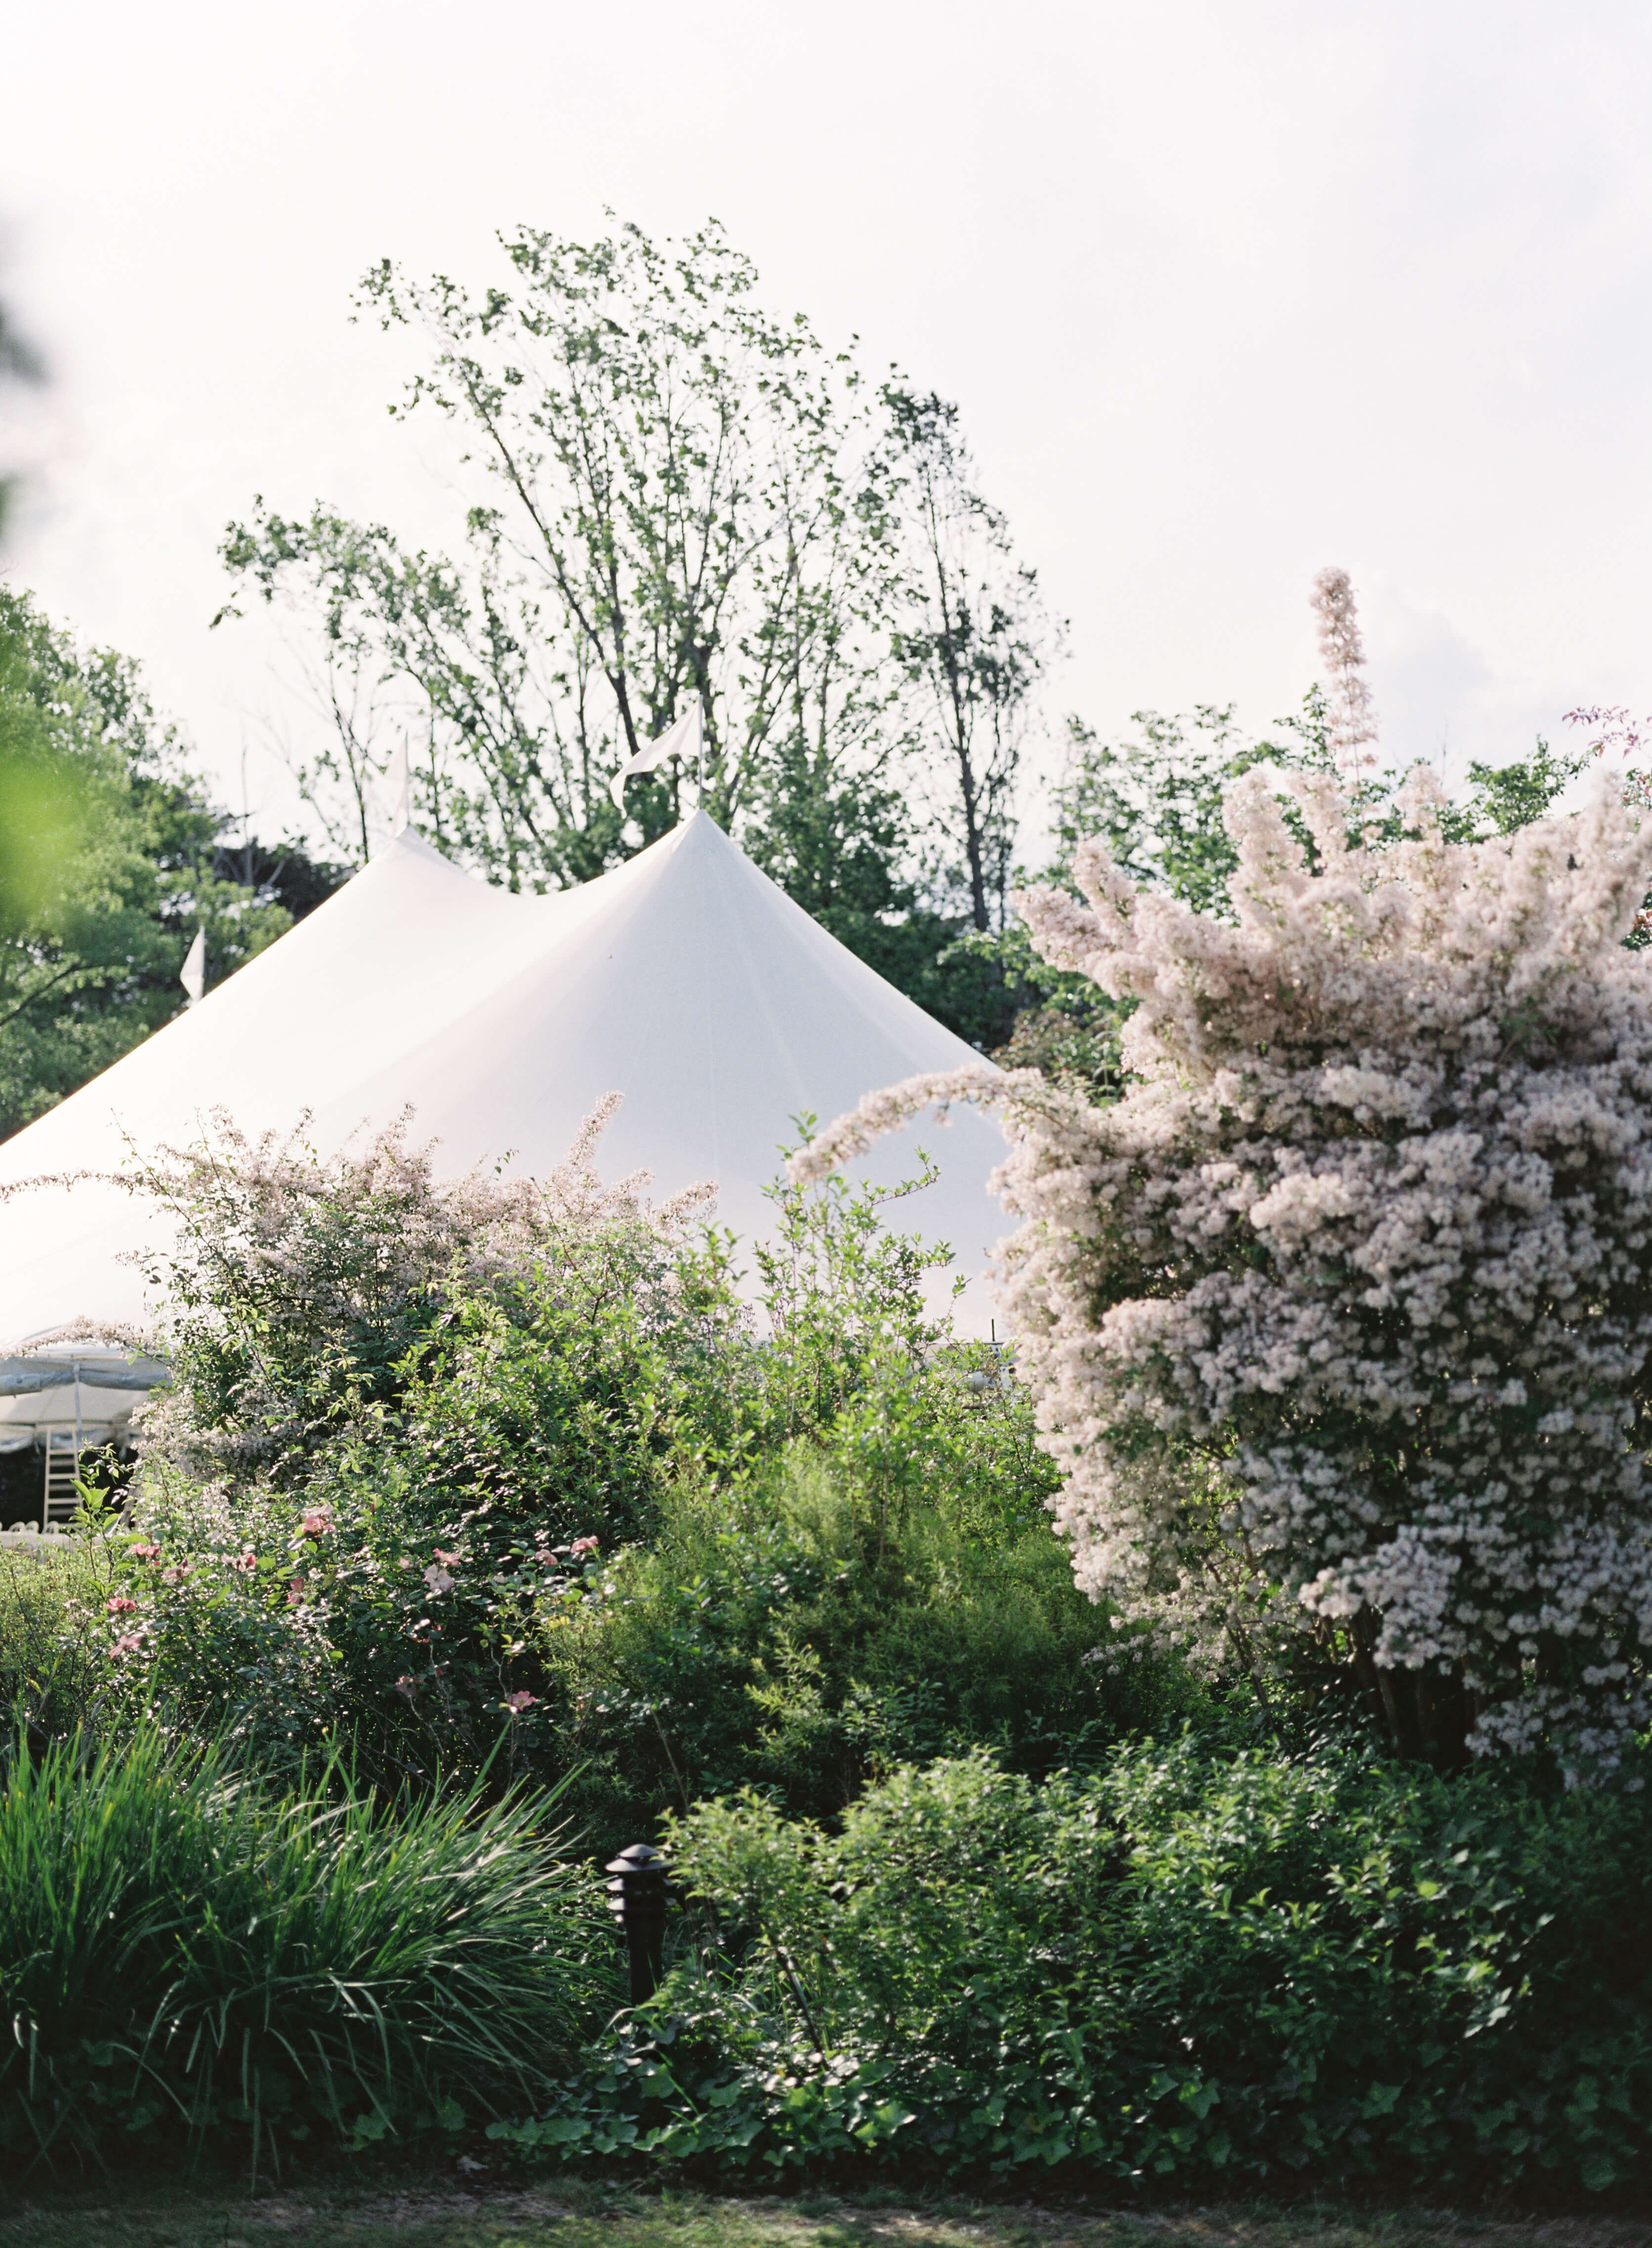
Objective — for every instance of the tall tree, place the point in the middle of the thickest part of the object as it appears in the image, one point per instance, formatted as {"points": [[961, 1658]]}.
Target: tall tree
{"points": [[972, 635], [107, 867], [676, 504], [18, 363]]}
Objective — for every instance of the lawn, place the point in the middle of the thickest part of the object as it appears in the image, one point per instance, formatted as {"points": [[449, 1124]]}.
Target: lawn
{"points": [[422, 2216]]}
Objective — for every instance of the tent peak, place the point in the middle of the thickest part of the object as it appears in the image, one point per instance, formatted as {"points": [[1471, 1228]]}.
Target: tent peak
{"points": [[697, 831], [698, 822]]}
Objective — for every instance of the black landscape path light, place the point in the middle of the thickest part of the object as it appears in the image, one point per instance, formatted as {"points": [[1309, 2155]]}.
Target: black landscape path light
{"points": [[637, 1900]]}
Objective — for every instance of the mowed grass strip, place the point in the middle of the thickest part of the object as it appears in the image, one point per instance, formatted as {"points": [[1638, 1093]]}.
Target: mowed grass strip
{"points": [[588, 2217]]}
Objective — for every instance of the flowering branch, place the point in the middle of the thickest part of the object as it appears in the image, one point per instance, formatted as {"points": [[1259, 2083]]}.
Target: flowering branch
{"points": [[1353, 714]]}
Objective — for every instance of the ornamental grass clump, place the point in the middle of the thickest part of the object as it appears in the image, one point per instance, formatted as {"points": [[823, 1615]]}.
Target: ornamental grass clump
{"points": [[190, 1954], [1340, 1320]]}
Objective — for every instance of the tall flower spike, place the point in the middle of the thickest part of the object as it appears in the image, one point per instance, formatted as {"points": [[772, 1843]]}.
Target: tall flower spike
{"points": [[1353, 715]]}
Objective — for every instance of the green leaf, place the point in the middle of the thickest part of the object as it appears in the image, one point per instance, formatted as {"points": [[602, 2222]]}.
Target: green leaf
{"points": [[1598, 2171]]}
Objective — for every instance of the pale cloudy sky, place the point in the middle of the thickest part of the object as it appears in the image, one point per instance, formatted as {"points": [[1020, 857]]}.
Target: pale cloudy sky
{"points": [[1226, 292]]}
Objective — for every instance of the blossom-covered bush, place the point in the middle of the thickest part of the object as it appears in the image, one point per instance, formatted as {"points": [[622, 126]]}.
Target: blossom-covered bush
{"points": [[406, 1413], [1341, 1316], [303, 1297]]}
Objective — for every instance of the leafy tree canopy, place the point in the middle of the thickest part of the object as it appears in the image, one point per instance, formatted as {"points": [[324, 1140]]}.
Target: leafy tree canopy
{"points": [[111, 858], [676, 499]]}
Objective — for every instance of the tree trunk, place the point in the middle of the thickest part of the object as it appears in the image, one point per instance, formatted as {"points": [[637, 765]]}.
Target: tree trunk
{"points": [[1426, 1713]]}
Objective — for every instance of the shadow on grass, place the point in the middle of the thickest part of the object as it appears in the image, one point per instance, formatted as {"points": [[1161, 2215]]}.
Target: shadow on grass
{"points": [[376, 2213]]}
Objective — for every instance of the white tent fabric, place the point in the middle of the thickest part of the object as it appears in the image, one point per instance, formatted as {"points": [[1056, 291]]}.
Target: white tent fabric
{"points": [[80, 1393], [685, 980]]}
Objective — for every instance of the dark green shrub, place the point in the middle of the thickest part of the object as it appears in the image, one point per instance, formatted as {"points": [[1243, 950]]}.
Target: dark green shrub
{"points": [[1187, 1965], [796, 1635], [188, 1951], [407, 1417]]}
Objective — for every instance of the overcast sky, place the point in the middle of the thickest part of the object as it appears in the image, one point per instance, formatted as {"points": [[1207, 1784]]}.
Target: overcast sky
{"points": [[1226, 292]]}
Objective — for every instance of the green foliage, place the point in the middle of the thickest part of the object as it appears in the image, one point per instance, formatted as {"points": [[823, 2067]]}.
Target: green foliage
{"points": [[54, 1643], [1074, 1045], [1503, 797], [1031, 1015], [446, 1463], [107, 865], [1196, 1965], [189, 1952], [804, 1635], [283, 875], [1157, 801]]}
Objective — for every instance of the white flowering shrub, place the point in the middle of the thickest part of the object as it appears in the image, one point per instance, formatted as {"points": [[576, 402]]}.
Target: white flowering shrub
{"points": [[1341, 1318]]}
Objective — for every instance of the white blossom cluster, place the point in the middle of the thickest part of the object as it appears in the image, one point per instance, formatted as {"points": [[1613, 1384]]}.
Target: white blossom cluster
{"points": [[1343, 1311], [1353, 720]]}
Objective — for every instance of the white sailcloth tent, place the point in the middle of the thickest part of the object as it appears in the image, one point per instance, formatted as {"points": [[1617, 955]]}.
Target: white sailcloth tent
{"points": [[685, 980]]}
